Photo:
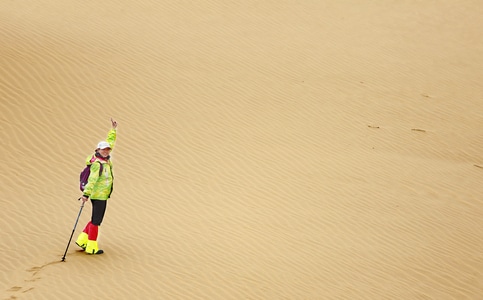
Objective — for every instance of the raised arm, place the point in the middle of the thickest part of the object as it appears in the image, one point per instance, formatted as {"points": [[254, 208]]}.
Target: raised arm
{"points": [[111, 136]]}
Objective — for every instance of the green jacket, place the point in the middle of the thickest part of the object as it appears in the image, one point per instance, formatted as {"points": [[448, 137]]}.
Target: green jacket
{"points": [[100, 187]]}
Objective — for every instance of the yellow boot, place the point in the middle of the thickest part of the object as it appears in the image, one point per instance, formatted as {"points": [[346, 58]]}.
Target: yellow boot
{"points": [[82, 240], [92, 248]]}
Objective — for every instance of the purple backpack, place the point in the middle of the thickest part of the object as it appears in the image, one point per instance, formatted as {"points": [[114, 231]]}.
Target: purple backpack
{"points": [[84, 176]]}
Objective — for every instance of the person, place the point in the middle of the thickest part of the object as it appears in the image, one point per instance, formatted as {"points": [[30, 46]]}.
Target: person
{"points": [[98, 188]]}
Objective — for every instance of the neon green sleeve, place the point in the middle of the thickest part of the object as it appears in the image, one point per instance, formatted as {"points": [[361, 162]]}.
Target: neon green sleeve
{"points": [[111, 137]]}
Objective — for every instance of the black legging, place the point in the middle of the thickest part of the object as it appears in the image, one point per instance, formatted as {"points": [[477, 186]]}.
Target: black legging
{"points": [[98, 211]]}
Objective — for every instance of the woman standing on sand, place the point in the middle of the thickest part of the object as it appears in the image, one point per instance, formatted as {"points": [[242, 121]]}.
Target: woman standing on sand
{"points": [[99, 189]]}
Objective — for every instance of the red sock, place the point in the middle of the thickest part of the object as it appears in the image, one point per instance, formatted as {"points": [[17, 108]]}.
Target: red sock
{"points": [[93, 230], [86, 229]]}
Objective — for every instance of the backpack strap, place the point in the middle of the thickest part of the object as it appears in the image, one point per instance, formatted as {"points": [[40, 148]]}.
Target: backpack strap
{"points": [[93, 160], [100, 168]]}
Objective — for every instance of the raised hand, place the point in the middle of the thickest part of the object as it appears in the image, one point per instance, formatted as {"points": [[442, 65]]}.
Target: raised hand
{"points": [[114, 123]]}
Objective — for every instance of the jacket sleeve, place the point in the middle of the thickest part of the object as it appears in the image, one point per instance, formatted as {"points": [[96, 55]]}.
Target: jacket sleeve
{"points": [[93, 177], [111, 137]]}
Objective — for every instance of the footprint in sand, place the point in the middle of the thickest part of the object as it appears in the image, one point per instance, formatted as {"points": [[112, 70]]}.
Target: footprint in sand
{"points": [[34, 271], [18, 289], [28, 290]]}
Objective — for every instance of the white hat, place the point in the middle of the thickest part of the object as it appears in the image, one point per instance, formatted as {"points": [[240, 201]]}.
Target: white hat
{"points": [[103, 145]]}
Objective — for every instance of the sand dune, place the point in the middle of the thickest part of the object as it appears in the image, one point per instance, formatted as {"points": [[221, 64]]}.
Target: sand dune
{"points": [[266, 150]]}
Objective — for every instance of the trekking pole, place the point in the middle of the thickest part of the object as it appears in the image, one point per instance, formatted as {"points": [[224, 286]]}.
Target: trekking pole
{"points": [[75, 225]]}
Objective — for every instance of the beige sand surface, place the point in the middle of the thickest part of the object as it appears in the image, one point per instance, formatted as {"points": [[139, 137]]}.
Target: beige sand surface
{"points": [[266, 149]]}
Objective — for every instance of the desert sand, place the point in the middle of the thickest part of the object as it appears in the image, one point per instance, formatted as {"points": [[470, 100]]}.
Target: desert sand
{"points": [[266, 149]]}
